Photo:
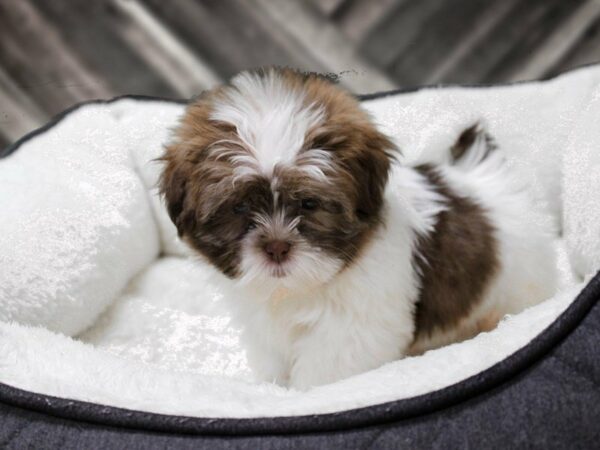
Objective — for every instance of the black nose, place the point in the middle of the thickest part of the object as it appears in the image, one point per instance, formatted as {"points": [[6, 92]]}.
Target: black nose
{"points": [[278, 251]]}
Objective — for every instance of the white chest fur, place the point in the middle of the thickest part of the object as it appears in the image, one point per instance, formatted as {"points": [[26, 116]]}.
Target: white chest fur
{"points": [[359, 320]]}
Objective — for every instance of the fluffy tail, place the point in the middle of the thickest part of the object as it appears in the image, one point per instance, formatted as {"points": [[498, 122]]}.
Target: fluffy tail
{"points": [[472, 147]]}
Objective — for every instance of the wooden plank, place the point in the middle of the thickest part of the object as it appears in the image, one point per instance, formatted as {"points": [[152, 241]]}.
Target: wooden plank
{"points": [[15, 120], [26, 101], [193, 25], [19, 114], [559, 43], [223, 33], [300, 56], [327, 7], [445, 29], [4, 140], [32, 52], [585, 51], [402, 27], [483, 62], [493, 14], [552, 16], [170, 58], [90, 31], [360, 17], [326, 44]]}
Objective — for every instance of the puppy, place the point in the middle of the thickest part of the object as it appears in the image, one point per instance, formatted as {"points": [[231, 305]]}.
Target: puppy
{"points": [[336, 258]]}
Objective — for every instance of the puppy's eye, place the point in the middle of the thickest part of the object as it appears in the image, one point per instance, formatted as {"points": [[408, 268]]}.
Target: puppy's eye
{"points": [[250, 226], [310, 204], [241, 208], [362, 215]]}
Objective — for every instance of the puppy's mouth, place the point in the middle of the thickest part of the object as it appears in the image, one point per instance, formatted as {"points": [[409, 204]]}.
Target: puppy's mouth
{"points": [[278, 269]]}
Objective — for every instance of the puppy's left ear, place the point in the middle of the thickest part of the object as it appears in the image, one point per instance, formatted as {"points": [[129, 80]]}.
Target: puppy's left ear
{"points": [[371, 170], [173, 188]]}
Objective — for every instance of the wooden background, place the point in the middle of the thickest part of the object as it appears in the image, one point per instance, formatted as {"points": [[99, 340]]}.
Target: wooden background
{"points": [[55, 53]]}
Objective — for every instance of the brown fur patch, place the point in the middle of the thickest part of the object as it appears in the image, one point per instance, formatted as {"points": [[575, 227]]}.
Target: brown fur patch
{"points": [[457, 261]]}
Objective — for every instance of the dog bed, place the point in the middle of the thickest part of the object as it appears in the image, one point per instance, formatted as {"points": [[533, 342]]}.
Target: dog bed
{"points": [[112, 334]]}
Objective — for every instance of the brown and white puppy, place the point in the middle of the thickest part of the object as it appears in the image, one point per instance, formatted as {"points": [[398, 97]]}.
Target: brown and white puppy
{"points": [[337, 259]]}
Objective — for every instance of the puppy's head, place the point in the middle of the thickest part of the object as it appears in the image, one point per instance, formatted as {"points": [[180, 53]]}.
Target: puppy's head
{"points": [[277, 178]]}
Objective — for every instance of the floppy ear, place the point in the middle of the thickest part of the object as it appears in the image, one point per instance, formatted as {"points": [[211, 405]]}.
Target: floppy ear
{"points": [[371, 169], [173, 188]]}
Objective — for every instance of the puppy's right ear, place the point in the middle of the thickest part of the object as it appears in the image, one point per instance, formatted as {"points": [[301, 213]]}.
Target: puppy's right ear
{"points": [[173, 188]]}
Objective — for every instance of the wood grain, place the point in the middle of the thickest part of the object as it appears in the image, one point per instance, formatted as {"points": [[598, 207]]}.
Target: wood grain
{"points": [[60, 52]]}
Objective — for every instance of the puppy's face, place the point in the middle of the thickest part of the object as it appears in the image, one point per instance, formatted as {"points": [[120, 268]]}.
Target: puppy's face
{"points": [[277, 178]]}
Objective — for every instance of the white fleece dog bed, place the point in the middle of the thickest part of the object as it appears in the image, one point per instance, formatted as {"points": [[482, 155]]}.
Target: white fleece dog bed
{"points": [[100, 302]]}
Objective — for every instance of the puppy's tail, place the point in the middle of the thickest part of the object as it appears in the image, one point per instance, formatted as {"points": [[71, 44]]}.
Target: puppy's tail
{"points": [[473, 146]]}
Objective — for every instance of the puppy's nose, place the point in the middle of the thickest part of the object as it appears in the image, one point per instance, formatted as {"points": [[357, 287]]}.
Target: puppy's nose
{"points": [[278, 251]]}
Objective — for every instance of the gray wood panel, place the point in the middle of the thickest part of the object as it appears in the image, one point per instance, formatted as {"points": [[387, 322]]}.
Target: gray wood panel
{"points": [[54, 53], [399, 29], [358, 18], [90, 29], [4, 141], [226, 35], [552, 15], [40, 60], [329, 7], [448, 26], [585, 51], [501, 38]]}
